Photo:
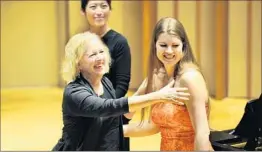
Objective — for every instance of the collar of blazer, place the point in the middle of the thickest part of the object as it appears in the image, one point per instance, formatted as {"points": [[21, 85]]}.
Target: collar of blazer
{"points": [[105, 81]]}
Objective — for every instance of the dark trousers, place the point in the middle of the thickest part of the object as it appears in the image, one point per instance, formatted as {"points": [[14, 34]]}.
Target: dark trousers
{"points": [[126, 139]]}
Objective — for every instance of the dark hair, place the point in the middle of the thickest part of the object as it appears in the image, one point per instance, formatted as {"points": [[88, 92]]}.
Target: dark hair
{"points": [[85, 2]]}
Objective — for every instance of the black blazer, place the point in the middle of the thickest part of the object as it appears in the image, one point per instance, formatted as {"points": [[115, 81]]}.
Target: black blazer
{"points": [[82, 111]]}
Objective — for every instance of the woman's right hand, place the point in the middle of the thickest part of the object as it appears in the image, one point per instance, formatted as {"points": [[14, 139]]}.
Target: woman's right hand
{"points": [[172, 94]]}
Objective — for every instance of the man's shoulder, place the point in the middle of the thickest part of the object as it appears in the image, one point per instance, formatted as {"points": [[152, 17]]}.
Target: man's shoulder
{"points": [[118, 37]]}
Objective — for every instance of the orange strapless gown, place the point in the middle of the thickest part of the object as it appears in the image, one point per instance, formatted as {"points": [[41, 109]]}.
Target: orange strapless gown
{"points": [[177, 132]]}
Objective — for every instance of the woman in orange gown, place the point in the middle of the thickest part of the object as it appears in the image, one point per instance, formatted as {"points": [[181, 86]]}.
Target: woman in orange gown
{"points": [[182, 127]]}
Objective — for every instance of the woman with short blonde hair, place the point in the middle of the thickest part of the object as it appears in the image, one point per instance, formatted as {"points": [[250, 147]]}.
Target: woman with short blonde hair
{"points": [[74, 50]]}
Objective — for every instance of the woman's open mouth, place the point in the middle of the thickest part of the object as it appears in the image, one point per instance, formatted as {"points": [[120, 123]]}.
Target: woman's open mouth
{"points": [[169, 57], [99, 67]]}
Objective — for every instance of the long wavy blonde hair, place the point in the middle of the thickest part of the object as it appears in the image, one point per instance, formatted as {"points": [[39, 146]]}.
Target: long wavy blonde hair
{"points": [[74, 51]]}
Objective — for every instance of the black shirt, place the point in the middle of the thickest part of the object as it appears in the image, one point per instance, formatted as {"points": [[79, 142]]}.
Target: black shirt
{"points": [[91, 122], [110, 128], [119, 73]]}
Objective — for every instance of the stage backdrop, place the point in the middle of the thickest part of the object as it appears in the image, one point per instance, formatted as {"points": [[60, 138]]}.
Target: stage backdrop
{"points": [[225, 36]]}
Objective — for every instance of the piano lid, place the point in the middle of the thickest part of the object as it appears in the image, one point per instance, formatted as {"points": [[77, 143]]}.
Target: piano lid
{"points": [[251, 123]]}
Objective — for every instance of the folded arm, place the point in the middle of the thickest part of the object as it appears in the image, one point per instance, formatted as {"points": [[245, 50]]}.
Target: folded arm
{"points": [[146, 128], [140, 130]]}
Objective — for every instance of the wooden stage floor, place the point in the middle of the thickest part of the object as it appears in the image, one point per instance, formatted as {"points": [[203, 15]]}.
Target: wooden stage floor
{"points": [[31, 119]]}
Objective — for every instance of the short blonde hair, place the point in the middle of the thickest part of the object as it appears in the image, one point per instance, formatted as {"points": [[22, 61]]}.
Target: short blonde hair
{"points": [[74, 51]]}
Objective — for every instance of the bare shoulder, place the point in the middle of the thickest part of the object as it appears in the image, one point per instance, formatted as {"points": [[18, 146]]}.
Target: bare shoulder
{"points": [[190, 73], [191, 76], [193, 79]]}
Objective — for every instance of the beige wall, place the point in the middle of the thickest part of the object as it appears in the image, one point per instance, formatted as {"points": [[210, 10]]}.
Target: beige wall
{"points": [[28, 44], [34, 59], [256, 76], [132, 19], [76, 19], [165, 9], [207, 43], [237, 48]]}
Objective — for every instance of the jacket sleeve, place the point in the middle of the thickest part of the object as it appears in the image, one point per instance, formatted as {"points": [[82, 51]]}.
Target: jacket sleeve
{"points": [[79, 101], [122, 67]]}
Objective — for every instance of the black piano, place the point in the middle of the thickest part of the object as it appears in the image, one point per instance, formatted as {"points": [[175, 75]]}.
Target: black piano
{"points": [[247, 136]]}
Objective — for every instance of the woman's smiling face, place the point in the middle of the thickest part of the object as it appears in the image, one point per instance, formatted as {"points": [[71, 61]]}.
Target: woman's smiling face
{"points": [[169, 49]]}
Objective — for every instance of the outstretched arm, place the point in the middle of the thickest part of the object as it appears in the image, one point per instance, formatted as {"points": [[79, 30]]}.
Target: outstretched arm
{"points": [[196, 85], [79, 101], [140, 91]]}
